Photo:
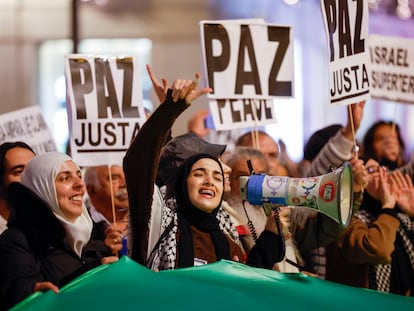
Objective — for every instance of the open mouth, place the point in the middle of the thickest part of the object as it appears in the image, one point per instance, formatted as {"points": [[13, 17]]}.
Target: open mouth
{"points": [[208, 193], [78, 199]]}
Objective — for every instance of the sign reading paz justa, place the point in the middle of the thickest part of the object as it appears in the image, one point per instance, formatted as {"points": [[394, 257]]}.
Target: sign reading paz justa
{"points": [[392, 68], [346, 25], [105, 107], [29, 126]]}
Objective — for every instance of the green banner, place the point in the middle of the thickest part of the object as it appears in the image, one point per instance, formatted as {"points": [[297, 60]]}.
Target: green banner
{"points": [[224, 285]]}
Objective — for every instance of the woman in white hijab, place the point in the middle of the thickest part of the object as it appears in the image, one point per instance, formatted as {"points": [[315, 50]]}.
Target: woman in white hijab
{"points": [[48, 240]]}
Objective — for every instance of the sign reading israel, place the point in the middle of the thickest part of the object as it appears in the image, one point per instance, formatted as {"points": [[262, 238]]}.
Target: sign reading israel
{"points": [[392, 68]]}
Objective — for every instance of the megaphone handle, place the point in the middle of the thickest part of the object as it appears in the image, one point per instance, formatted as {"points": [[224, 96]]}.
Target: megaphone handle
{"points": [[252, 230], [250, 224]]}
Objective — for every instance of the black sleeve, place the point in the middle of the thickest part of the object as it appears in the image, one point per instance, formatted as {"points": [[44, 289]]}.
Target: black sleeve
{"points": [[268, 250], [140, 168]]}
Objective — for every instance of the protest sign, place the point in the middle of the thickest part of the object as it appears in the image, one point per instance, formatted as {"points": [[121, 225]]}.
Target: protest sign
{"points": [[247, 59], [346, 25], [29, 126], [105, 107], [247, 63], [241, 113], [392, 68]]}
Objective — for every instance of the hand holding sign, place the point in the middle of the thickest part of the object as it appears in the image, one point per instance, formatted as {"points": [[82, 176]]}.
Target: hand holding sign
{"points": [[355, 115]]}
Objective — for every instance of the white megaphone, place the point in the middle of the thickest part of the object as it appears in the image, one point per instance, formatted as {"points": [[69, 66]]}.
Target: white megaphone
{"points": [[330, 194]]}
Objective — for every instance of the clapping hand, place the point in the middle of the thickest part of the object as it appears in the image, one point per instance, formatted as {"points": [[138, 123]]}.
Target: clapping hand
{"points": [[403, 191]]}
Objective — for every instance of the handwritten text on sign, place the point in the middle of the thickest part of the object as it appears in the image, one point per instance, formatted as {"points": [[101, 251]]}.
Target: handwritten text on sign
{"points": [[29, 126], [247, 60], [241, 113], [392, 68], [346, 24], [105, 107]]}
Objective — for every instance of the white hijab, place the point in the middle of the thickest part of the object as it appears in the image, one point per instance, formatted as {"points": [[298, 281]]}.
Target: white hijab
{"points": [[39, 176]]}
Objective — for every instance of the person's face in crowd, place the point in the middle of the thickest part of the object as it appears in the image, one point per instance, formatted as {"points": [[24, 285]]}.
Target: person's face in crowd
{"points": [[271, 151], [117, 181], [385, 143], [70, 190], [205, 185], [227, 174], [240, 168], [15, 162]]}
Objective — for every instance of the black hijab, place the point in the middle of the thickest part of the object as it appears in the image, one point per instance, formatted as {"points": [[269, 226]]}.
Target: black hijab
{"points": [[189, 215]]}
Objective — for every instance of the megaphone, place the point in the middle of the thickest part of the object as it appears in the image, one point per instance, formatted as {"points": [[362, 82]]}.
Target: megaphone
{"points": [[330, 194]]}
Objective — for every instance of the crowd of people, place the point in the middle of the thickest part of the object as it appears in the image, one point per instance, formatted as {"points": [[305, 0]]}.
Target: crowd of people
{"points": [[175, 202]]}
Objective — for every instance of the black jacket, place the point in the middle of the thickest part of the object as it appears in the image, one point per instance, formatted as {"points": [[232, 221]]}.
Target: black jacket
{"points": [[32, 249]]}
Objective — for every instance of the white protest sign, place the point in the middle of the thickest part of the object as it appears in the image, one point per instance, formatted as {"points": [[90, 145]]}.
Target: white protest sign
{"points": [[29, 126], [346, 25], [241, 113], [392, 68], [247, 59], [105, 107]]}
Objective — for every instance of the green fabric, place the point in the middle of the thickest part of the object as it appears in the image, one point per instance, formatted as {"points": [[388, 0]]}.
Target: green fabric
{"points": [[224, 285]]}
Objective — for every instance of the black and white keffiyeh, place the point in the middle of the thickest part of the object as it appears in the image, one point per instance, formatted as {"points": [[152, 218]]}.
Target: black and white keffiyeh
{"points": [[380, 275]]}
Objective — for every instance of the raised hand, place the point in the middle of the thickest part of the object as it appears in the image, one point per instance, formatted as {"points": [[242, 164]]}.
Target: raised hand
{"points": [[360, 173], [197, 125], [355, 116], [403, 191], [186, 89], [387, 199], [160, 90]]}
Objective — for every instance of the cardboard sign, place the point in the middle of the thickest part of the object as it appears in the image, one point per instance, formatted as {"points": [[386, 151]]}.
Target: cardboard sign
{"points": [[241, 113], [247, 59], [392, 68], [29, 126], [346, 25], [105, 107]]}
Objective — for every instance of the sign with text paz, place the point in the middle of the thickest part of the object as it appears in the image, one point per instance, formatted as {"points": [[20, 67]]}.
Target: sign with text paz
{"points": [[29, 126], [241, 113], [105, 107], [392, 68], [346, 25], [247, 60]]}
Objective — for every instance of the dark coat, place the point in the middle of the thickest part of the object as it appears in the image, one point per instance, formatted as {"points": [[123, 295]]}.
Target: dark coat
{"points": [[32, 249]]}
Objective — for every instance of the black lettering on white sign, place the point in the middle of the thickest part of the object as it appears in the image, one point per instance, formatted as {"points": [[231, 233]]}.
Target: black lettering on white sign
{"points": [[338, 21], [106, 92], [247, 71], [244, 110]]}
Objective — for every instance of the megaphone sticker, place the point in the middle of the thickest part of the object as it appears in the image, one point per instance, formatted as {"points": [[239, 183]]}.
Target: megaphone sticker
{"points": [[327, 191], [308, 184]]}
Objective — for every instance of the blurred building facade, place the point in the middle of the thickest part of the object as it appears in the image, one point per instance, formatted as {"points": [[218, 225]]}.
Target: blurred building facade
{"points": [[172, 28]]}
